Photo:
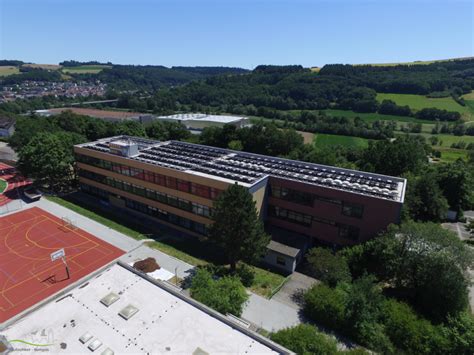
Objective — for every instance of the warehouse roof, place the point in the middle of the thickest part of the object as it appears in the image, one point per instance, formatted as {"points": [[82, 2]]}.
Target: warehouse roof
{"points": [[248, 168]]}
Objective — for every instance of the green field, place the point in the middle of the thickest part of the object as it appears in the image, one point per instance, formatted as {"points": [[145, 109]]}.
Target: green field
{"points": [[371, 117], [86, 69], [8, 70], [3, 185], [418, 102], [321, 140]]}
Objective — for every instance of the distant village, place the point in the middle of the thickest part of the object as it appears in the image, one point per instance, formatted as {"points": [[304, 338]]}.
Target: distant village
{"points": [[31, 89]]}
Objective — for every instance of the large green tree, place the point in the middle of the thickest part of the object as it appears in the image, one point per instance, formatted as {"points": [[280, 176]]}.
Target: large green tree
{"points": [[237, 227], [48, 158], [404, 154]]}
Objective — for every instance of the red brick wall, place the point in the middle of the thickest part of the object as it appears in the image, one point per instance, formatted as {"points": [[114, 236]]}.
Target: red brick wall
{"points": [[378, 213]]}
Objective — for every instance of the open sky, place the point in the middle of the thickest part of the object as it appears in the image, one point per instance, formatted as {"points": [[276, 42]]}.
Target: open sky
{"points": [[242, 33]]}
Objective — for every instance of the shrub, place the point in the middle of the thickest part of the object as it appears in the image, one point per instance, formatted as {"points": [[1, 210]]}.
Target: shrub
{"points": [[305, 339], [326, 305], [327, 267], [409, 332], [246, 274], [459, 332], [225, 295]]}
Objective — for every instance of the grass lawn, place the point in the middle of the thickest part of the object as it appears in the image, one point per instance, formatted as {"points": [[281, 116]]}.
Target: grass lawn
{"points": [[188, 250], [3, 185], [418, 102], [86, 69], [449, 154], [6, 70], [321, 140]]}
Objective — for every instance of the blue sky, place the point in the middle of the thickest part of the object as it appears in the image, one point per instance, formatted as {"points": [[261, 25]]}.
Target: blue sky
{"points": [[241, 33]]}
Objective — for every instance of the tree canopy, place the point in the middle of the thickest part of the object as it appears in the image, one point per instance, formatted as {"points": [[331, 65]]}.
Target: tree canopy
{"points": [[237, 227]]}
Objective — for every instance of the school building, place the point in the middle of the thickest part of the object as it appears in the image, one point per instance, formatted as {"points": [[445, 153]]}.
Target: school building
{"points": [[300, 203]]}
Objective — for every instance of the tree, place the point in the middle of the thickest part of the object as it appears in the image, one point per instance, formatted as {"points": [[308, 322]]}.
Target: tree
{"points": [[327, 267], [457, 183], [405, 154], [48, 158], [237, 227], [424, 198], [225, 295], [305, 339], [426, 263]]}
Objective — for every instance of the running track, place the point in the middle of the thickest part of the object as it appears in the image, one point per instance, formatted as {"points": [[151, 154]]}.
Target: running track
{"points": [[14, 180]]}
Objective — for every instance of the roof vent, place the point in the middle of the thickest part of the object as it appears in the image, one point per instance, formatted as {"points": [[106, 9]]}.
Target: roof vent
{"points": [[128, 312], [109, 299], [199, 351], [85, 337]]}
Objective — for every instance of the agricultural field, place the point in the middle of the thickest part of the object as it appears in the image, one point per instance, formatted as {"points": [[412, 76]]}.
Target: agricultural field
{"points": [[416, 62], [43, 66], [86, 69], [418, 102], [8, 70], [321, 140]]}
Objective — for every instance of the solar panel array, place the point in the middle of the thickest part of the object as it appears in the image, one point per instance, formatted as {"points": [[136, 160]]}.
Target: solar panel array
{"points": [[248, 168]]}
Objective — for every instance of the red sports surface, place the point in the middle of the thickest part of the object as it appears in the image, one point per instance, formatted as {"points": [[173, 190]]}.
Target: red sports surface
{"points": [[27, 274], [14, 180]]}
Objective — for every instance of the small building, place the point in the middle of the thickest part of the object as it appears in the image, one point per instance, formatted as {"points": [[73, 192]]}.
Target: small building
{"points": [[7, 126], [282, 257]]}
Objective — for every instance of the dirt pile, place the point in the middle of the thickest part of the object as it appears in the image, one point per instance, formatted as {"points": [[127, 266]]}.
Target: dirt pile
{"points": [[147, 265]]}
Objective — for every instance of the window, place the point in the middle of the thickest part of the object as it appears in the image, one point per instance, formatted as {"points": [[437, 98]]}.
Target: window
{"points": [[183, 185], [352, 209], [291, 216], [280, 260], [348, 232], [171, 182]]}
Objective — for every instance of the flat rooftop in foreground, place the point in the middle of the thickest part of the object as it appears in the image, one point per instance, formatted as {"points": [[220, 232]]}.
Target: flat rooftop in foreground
{"points": [[159, 322], [248, 168]]}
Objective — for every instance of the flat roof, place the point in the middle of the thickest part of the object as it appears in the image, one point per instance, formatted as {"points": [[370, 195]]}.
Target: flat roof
{"points": [[202, 117], [146, 318], [283, 249], [248, 168]]}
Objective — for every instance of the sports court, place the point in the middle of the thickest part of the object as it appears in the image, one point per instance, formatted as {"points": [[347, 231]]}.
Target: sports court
{"points": [[27, 274]]}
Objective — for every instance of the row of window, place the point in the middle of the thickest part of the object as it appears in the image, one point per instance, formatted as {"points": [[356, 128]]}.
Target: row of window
{"points": [[151, 211], [174, 201], [167, 217], [159, 179], [345, 231], [303, 198]]}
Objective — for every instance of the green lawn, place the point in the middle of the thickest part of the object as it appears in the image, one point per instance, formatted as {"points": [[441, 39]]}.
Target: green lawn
{"points": [[191, 251], [449, 155], [86, 69], [3, 185], [418, 102], [321, 140], [8, 70]]}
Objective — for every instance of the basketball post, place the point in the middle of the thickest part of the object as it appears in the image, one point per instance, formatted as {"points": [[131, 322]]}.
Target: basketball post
{"points": [[67, 267]]}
